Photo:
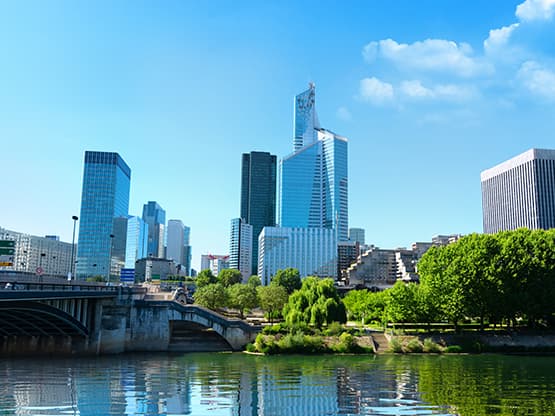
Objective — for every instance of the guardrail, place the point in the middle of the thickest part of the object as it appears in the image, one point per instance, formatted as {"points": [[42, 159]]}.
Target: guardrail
{"points": [[14, 285]]}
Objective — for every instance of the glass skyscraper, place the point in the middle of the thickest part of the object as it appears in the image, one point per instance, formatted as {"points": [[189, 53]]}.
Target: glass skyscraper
{"points": [[105, 196], [258, 195], [313, 180], [155, 217], [137, 241], [306, 118]]}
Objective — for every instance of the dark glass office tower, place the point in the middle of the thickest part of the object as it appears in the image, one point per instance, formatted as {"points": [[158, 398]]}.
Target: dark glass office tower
{"points": [[258, 195], [105, 196]]}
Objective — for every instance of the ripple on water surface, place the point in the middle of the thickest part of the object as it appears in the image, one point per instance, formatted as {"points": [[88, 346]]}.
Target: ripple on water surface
{"points": [[237, 384]]}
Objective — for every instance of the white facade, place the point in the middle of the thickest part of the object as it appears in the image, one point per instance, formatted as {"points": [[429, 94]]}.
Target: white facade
{"points": [[520, 192], [214, 262], [313, 251], [32, 252], [240, 247], [175, 244]]}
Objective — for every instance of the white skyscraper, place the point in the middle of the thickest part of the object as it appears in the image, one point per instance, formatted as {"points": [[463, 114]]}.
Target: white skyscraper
{"points": [[520, 192], [175, 244], [240, 247]]}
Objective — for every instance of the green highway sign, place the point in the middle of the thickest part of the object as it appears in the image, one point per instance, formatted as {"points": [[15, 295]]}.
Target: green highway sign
{"points": [[7, 251], [7, 243]]}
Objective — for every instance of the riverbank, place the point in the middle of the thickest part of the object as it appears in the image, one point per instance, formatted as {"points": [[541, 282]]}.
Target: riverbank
{"points": [[279, 341]]}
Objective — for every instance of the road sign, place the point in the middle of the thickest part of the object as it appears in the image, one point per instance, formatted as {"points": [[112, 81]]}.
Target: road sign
{"points": [[39, 271], [7, 243], [6, 261], [7, 251], [5, 264], [127, 275]]}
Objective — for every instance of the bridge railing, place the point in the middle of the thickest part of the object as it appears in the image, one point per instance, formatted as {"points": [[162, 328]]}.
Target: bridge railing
{"points": [[13, 285]]}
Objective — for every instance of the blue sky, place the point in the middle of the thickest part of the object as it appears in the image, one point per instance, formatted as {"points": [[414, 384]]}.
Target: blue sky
{"points": [[429, 94]]}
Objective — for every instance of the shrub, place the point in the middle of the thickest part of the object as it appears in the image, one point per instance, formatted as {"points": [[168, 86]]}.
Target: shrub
{"points": [[250, 347], [395, 345], [298, 342], [333, 329], [413, 345], [273, 329], [431, 346], [266, 344], [453, 349], [346, 343]]}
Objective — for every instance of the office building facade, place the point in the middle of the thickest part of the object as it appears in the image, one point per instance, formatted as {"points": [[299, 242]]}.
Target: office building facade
{"points": [[155, 217], [305, 118], [214, 262], [33, 252], [105, 196], [175, 249], [137, 241], [258, 195], [520, 192], [313, 185], [240, 247], [313, 251], [357, 235]]}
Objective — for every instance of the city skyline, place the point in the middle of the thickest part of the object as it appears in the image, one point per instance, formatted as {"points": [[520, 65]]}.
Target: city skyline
{"points": [[428, 98]]}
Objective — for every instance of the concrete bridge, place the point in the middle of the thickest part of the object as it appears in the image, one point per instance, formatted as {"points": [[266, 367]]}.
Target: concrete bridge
{"points": [[91, 318]]}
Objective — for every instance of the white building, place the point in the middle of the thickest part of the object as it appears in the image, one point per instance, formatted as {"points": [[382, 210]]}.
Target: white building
{"points": [[240, 247], [214, 262], [313, 251], [175, 244], [33, 252], [520, 192]]}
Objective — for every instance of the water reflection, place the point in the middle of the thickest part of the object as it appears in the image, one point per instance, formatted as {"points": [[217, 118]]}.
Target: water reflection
{"points": [[237, 384]]}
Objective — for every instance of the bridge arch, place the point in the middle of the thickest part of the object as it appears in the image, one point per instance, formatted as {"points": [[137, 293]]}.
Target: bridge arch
{"points": [[38, 319]]}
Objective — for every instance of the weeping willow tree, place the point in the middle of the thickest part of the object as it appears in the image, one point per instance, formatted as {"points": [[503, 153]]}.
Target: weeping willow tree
{"points": [[316, 303]]}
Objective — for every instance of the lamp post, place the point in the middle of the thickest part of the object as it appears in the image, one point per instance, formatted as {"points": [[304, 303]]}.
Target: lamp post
{"points": [[72, 265]]}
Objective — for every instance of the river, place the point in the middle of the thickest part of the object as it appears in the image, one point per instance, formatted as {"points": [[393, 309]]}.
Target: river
{"points": [[245, 385]]}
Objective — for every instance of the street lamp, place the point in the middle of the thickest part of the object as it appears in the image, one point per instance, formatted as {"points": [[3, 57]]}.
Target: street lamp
{"points": [[72, 265]]}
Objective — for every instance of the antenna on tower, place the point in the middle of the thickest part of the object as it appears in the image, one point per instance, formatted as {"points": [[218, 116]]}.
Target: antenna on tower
{"points": [[311, 85]]}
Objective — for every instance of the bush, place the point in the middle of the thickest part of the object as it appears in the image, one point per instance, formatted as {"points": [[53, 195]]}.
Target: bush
{"points": [[333, 329], [431, 346], [266, 344], [346, 343], [250, 347], [395, 345], [273, 329], [453, 349], [298, 342], [413, 345]]}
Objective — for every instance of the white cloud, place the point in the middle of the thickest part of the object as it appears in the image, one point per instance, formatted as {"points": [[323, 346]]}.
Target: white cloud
{"points": [[498, 38], [415, 89], [343, 114], [436, 55], [449, 92], [538, 79], [376, 91], [532, 10]]}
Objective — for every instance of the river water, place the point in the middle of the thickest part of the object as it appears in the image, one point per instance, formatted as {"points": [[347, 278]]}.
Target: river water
{"points": [[245, 385]]}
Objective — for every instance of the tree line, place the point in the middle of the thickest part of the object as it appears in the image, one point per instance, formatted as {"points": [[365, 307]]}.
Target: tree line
{"points": [[504, 278]]}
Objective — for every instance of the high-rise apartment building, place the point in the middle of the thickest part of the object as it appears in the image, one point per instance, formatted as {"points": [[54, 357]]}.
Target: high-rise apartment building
{"points": [[155, 217], [313, 185], [520, 192], [258, 195], [240, 247], [137, 241], [313, 251], [105, 196]]}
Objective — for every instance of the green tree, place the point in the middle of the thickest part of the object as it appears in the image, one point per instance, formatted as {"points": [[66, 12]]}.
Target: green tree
{"points": [[242, 297], [402, 303], [205, 277], [229, 277], [315, 303], [272, 298], [211, 296], [289, 278], [254, 280]]}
